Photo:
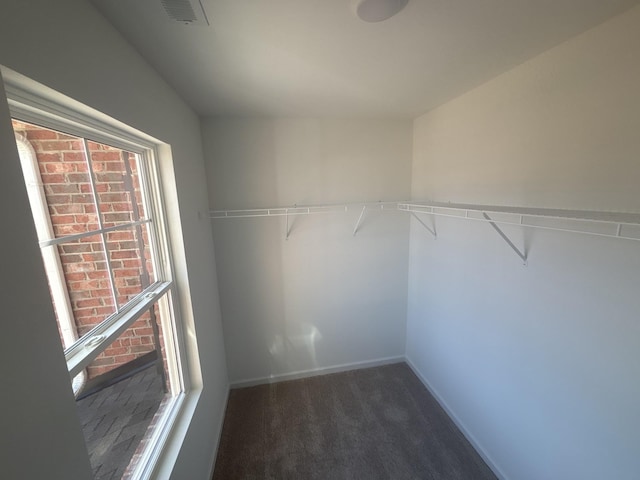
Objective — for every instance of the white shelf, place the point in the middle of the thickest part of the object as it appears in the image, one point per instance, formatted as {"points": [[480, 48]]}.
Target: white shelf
{"points": [[584, 215], [305, 210], [607, 224], [604, 224], [302, 210]]}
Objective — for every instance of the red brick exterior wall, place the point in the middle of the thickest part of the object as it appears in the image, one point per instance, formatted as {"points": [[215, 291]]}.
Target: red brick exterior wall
{"points": [[67, 188]]}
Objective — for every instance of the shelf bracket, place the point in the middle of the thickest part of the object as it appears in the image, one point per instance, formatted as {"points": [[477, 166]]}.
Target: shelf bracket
{"points": [[286, 227], [355, 229], [432, 231], [522, 255]]}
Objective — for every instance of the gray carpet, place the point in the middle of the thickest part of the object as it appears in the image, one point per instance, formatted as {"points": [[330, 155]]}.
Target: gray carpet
{"points": [[377, 423], [115, 419]]}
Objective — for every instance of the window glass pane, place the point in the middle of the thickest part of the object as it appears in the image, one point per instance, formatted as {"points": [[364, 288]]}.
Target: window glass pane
{"points": [[117, 184], [64, 179], [88, 299], [125, 389], [130, 259], [136, 341], [141, 339]]}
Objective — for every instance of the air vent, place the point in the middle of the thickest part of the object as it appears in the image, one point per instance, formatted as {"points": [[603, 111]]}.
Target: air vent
{"points": [[187, 12]]}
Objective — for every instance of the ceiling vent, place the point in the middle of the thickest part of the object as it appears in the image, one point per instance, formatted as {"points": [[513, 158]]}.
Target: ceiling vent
{"points": [[187, 12]]}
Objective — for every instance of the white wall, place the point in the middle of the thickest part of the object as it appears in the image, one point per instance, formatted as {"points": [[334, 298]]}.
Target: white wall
{"points": [[69, 47], [322, 298], [539, 364]]}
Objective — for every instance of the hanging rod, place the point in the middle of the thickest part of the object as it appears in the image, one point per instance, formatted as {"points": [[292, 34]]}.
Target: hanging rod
{"points": [[612, 224], [302, 210]]}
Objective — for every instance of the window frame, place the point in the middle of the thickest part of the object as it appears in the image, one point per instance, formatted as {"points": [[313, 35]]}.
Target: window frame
{"points": [[42, 106]]}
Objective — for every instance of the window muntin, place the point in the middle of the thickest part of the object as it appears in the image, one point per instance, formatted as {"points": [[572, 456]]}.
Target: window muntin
{"points": [[131, 262], [86, 278]]}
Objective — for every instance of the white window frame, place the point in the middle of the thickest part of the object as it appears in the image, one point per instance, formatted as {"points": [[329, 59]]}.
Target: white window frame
{"points": [[53, 110]]}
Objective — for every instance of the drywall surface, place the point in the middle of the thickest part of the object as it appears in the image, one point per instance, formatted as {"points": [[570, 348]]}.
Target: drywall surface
{"points": [[68, 46], [323, 297], [539, 364]]}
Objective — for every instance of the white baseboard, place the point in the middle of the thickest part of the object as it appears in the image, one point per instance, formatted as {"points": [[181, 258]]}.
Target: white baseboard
{"points": [[316, 371], [488, 460]]}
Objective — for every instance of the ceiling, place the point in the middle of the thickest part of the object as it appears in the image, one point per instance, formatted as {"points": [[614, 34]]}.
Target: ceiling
{"points": [[316, 58]]}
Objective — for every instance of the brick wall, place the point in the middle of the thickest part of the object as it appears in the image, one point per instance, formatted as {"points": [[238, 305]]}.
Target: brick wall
{"points": [[67, 188]]}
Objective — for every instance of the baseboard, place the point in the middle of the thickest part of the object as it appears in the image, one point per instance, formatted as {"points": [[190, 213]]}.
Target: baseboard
{"points": [[220, 427], [282, 377], [488, 460]]}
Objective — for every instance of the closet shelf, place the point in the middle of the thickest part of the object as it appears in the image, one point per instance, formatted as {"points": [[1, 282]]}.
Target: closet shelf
{"points": [[605, 224], [439, 208], [516, 215], [608, 224], [306, 210], [302, 210]]}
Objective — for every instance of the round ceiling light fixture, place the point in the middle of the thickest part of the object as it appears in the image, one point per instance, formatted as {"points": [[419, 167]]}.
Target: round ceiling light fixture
{"points": [[378, 10]]}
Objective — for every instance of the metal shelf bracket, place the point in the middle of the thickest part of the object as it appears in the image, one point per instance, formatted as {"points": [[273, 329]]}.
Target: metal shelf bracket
{"points": [[521, 254], [431, 230], [286, 226], [355, 229]]}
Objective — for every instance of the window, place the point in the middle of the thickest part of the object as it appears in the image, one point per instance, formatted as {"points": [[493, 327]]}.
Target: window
{"points": [[97, 205]]}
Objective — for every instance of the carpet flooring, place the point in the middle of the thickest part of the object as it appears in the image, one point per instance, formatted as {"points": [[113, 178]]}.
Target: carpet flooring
{"points": [[370, 424], [115, 419]]}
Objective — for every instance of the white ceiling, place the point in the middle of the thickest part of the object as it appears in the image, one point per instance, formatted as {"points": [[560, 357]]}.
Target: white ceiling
{"points": [[316, 58]]}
